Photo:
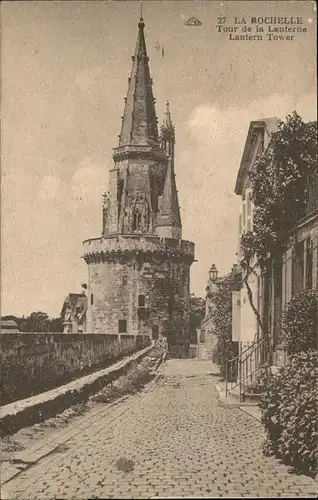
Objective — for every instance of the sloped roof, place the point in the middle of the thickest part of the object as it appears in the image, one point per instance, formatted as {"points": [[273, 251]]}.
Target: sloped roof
{"points": [[8, 322], [267, 126], [139, 126], [8, 326], [74, 300], [169, 214]]}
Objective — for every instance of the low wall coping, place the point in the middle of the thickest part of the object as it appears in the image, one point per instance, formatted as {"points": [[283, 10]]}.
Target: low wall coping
{"points": [[13, 409]]}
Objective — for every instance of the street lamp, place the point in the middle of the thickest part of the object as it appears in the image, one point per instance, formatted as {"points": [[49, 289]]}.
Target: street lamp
{"points": [[213, 273]]}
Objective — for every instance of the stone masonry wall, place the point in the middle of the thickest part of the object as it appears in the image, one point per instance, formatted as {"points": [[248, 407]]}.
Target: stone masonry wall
{"points": [[35, 362], [114, 289]]}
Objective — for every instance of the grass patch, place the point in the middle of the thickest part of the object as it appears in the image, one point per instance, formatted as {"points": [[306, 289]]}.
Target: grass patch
{"points": [[139, 374], [62, 419]]}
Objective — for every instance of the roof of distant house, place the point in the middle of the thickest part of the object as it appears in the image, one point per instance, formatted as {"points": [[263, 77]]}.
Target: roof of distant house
{"points": [[8, 326], [74, 300]]}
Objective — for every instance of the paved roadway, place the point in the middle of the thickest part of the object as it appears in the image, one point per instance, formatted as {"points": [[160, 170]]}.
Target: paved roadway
{"points": [[174, 440]]}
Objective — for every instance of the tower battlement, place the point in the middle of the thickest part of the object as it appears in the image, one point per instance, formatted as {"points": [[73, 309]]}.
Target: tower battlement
{"points": [[123, 247]]}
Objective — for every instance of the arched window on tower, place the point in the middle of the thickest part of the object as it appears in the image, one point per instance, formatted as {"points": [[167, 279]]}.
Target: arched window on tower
{"points": [[137, 221], [141, 301]]}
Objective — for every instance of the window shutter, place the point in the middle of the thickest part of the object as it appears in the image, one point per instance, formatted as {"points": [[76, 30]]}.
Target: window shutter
{"points": [[244, 216], [249, 210], [240, 224]]}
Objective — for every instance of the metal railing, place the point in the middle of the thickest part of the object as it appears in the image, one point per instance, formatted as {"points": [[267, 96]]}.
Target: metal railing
{"points": [[242, 370]]}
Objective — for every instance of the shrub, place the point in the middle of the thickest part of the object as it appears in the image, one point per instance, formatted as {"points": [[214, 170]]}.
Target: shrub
{"points": [[299, 325], [289, 414], [261, 380], [223, 351]]}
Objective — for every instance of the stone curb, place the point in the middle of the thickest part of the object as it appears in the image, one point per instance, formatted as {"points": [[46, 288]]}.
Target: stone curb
{"points": [[35, 409], [251, 409], [26, 458]]}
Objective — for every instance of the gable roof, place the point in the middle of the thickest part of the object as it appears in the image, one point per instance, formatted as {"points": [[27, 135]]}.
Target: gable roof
{"points": [[74, 300]]}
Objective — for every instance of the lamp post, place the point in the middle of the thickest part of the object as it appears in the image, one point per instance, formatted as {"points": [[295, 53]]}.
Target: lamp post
{"points": [[213, 273]]}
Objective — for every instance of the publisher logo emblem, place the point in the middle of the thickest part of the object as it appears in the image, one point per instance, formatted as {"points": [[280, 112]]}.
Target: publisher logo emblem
{"points": [[193, 21]]}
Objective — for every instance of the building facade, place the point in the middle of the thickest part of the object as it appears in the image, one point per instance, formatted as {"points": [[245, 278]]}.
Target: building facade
{"points": [[245, 327], [207, 337], [295, 270], [299, 265], [139, 269], [73, 313]]}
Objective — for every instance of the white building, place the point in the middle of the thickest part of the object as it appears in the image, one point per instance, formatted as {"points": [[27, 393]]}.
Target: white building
{"points": [[245, 327]]}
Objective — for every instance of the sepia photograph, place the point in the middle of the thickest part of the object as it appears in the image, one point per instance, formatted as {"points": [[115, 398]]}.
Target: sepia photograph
{"points": [[159, 249]]}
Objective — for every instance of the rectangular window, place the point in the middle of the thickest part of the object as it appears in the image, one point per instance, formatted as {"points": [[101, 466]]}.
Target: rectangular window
{"points": [[122, 326], [309, 265], [155, 332], [141, 301], [298, 267], [244, 215], [170, 306], [124, 279], [92, 299], [249, 203]]}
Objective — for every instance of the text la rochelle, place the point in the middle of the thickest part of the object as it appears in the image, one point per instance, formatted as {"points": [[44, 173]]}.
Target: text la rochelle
{"points": [[269, 20]]}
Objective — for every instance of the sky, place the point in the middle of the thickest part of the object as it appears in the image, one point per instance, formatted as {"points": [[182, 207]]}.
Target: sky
{"points": [[64, 70]]}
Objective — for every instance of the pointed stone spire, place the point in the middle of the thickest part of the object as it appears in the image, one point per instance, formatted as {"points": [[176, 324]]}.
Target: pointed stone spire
{"points": [[139, 126], [167, 123], [169, 220]]}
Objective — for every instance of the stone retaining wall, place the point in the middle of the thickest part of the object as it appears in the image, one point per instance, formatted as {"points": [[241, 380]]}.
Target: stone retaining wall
{"points": [[35, 362]]}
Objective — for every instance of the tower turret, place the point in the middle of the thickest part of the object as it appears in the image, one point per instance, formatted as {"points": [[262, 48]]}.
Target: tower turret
{"points": [[169, 220], [167, 136]]}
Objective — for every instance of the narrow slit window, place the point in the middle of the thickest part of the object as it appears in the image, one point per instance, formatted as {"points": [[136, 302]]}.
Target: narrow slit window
{"points": [[122, 326], [92, 298]]}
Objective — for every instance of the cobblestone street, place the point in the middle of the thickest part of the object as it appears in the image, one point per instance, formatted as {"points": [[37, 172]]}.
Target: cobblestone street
{"points": [[173, 440]]}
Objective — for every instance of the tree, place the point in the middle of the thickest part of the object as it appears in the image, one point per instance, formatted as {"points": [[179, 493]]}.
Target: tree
{"points": [[56, 325], [37, 322], [224, 349], [197, 313]]}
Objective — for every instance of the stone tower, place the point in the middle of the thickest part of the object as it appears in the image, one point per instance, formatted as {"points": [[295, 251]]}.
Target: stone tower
{"points": [[139, 269]]}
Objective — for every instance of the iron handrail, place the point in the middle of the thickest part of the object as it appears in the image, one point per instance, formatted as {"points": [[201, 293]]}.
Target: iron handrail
{"points": [[242, 359], [229, 363], [250, 373]]}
